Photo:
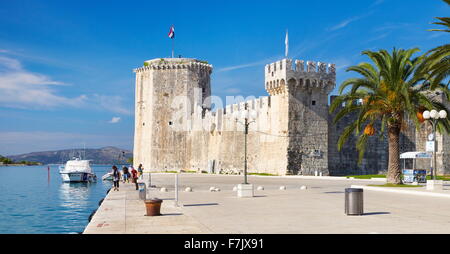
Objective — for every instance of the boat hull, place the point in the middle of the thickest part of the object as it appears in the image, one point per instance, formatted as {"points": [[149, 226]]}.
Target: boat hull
{"points": [[107, 177], [77, 177]]}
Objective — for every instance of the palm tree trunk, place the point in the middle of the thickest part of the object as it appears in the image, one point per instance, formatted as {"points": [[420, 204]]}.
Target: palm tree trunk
{"points": [[394, 171]]}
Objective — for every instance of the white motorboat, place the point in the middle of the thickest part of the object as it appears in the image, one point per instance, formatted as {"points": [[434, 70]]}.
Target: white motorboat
{"points": [[107, 177], [77, 170]]}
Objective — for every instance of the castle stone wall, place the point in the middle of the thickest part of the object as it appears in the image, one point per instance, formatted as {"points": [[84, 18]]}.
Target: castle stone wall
{"points": [[293, 133]]}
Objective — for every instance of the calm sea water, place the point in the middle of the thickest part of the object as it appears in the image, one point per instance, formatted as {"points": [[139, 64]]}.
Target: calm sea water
{"points": [[30, 203]]}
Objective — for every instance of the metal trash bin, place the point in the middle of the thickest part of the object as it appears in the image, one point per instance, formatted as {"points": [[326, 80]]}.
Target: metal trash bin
{"points": [[142, 191], [354, 201]]}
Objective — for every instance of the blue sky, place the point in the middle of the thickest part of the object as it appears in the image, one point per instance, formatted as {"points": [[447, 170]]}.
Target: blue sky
{"points": [[66, 66]]}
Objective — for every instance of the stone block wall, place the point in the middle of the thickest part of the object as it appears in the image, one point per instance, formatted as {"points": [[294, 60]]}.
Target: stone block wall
{"points": [[293, 134]]}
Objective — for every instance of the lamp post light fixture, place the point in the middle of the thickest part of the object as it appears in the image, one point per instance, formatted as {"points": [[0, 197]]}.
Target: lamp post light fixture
{"points": [[248, 117], [433, 117]]}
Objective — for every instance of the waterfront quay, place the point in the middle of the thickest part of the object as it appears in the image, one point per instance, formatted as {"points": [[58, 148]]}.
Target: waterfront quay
{"points": [[317, 209]]}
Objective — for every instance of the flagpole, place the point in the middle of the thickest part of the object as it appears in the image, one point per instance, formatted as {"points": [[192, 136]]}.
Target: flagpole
{"points": [[286, 42], [172, 36]]}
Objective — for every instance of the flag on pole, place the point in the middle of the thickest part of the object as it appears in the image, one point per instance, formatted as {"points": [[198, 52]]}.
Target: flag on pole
{"points": [[172, 32], [286, 41]]}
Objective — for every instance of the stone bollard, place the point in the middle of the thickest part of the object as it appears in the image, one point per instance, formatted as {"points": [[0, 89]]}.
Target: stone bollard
{"points": [[188, 189], [163, 189], [282, 187], [260, 188], [211, 189], [217, 189], [235, 188], [303, 187]]}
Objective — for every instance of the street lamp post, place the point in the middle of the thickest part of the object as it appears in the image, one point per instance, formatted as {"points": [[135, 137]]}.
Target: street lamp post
{"points": [[248, 118], [433, 116]]}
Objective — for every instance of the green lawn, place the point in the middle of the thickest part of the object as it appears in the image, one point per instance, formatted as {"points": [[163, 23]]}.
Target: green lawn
{"points": [[395, 185], [169, 171], [261, 174], [444, 178], [366, 176]]}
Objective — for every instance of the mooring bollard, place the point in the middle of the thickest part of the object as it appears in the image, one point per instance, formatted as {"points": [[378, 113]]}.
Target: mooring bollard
{"points": [[354, 201], [176, 189], [149, 180]]}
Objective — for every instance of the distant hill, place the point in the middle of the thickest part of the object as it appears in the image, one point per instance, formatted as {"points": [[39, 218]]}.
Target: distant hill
{"points": [[105, 155]]}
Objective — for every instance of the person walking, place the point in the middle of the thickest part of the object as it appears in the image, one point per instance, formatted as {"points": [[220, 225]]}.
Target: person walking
{"points": [[134, 176], [126, 174], [116, 177], [140, 170]]}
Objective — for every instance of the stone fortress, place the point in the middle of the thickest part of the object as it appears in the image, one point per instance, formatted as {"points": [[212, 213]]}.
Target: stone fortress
{"points": [[293, 132]]}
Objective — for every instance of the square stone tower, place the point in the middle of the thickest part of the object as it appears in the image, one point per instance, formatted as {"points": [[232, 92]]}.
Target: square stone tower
{"points": [[304, 91], [168, 90]]}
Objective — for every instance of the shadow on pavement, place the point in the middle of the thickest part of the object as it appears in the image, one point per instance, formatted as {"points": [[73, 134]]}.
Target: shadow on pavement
{"points": [[207, 204], [376, 213], [171, 214]]}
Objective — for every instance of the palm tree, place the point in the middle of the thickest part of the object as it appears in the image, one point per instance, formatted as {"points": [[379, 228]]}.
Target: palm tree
{"points": [[390, 92], [437, 64]]}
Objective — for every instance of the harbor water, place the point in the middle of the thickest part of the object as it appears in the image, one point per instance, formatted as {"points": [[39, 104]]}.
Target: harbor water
{"points": [[34, 200]]}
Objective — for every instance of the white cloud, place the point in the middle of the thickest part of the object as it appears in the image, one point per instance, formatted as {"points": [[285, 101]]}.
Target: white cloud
{"points": [[115, 119], [111, 103], [246, 65], [377, 2], [20, 88], [345, 23], [392, 26], [379, 37]]}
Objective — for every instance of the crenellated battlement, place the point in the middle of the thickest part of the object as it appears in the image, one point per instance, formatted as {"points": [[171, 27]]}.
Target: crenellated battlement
{"points": [[174, 63], [299, 66], [283, 76], [260, 105]]}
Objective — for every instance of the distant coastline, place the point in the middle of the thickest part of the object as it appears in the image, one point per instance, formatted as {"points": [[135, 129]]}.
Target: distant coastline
{"points": [[19, 165], [101, 156]]}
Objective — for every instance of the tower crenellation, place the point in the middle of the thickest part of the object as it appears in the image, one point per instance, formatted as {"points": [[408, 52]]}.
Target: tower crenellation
{"points": [[282, 76], [174, 63]]}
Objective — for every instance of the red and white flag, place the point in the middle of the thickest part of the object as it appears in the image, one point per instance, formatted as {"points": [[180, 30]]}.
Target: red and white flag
{"points": [[172, 32]]}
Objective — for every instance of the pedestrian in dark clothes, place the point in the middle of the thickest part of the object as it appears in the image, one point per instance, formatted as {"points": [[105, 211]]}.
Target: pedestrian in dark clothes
{"points": [[116, 177]]}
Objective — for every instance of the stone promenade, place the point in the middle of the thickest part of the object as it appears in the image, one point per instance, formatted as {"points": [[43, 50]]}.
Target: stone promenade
{"points": [[318, 209]]}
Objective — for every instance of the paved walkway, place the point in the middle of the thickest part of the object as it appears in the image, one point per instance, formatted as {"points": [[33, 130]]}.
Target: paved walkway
{"points": [[319, 209], [123, 213]]}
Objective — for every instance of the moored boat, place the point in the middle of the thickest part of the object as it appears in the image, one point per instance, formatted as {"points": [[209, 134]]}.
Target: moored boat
{"points": [[77, 170], [107, 177]]}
